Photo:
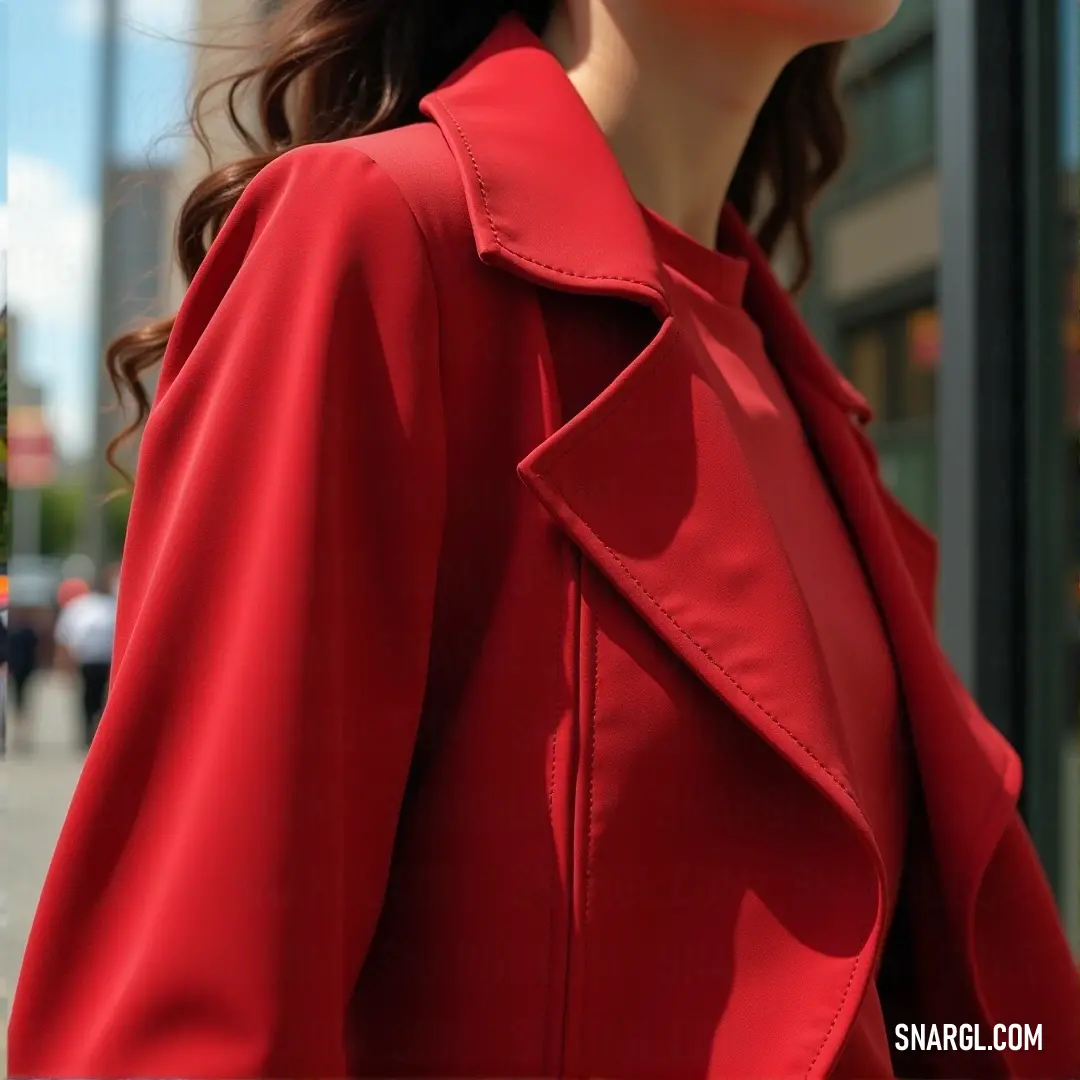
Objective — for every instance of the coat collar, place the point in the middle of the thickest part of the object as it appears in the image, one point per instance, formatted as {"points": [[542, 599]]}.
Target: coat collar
{"points": [[548, 201], [546, 197]]}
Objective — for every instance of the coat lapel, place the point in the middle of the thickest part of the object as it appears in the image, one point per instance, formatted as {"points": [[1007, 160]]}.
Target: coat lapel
{"points": [[650, 483], [648, 479], [970, 776]]}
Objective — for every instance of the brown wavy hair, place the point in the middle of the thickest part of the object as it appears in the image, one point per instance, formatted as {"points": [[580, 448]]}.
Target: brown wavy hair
{"points": [[334, 69]]}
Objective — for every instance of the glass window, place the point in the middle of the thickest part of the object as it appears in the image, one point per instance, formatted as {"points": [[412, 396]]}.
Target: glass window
{"points": [[892, 114], [920, 364], [1072, 347], [909, 107], [866, 135], [893, 361], [1069, 36], [1070, 89], [868, 365]]}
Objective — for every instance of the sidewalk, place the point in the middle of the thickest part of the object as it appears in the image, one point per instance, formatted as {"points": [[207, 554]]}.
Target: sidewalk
{"points": [[38, 780]]}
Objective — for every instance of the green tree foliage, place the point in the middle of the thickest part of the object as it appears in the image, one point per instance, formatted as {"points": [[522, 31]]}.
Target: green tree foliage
{"points": [[63, 507], [61, 516]]}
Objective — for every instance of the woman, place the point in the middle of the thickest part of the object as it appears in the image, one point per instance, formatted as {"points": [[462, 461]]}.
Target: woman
{"points": [[624, 747]]}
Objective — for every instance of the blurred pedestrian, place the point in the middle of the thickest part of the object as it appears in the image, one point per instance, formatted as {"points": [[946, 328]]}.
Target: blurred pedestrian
{"points": [[24, 643], [85, 630], [573, 706], [69, 589], [4, 656]]}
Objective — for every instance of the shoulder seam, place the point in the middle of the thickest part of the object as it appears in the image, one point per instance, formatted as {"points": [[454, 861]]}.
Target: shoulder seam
{"points": [[422, 236]]}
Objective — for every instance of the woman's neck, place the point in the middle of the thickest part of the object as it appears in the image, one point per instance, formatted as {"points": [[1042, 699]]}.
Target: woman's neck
{"points": [[675, 95]]}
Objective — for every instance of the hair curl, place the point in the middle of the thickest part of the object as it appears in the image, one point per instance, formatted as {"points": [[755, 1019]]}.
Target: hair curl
{"points": [[335, 69]]}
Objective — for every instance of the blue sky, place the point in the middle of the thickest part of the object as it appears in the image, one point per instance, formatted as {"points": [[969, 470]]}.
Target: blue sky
{"points": [[51, 115], [3, 96]]}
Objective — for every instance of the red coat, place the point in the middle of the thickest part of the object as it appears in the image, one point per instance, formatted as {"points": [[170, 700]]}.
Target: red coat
{"points": [[482, 522]]}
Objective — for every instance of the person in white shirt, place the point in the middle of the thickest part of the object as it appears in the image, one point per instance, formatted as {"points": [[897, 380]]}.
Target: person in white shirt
{"points": [[84, 637]]}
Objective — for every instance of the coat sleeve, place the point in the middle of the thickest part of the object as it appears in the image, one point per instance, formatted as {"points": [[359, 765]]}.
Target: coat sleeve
{"points": [[224, 860]]}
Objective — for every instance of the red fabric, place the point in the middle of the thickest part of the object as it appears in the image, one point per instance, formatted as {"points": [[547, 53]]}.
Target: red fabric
{"points": [[631, 845], [707, 293]]}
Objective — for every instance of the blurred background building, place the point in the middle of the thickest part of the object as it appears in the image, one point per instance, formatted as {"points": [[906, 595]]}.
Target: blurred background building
{"points": [[947, 291], [230, 32]]}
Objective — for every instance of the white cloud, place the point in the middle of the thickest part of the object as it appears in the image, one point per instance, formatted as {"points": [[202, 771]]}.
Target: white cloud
{"points": [[72, 423], [52, 244], [61, 360], [171, 18], [52, 278]]}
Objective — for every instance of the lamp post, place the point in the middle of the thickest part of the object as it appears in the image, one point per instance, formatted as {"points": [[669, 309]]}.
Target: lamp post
{"points": [[94, 540]]}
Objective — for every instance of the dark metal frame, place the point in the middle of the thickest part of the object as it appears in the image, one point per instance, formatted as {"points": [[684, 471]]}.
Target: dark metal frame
{"points": [[1002, 464], [1051, 700]]}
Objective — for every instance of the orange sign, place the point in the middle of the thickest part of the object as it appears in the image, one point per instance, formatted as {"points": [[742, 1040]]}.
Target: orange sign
{"points": [[924, 338], [1072, 316]]}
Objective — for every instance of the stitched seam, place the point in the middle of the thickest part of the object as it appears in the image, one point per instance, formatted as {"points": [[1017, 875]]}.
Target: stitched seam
{"points": [[761, 708], [604, 410], [551, 778], [553, 925], [571, 440], [424, 246], [511, 251], [730, 678], [847, 990], [750, 697], [569, 946], [589, 847]]}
